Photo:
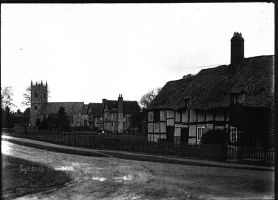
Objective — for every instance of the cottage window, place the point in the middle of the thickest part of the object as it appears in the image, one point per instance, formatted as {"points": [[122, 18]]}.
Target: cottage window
{"points": [[238, 98], [200, 132], [186, 102], [234, 135]]}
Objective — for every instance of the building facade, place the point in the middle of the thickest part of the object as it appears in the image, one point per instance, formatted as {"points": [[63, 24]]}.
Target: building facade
{"points": [[114, 115], [111, 115], [216, 98], [41, 108]]}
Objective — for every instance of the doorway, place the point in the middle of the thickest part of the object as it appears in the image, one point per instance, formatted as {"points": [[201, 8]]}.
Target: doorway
{"points": [[184, 136], [170, 133]]}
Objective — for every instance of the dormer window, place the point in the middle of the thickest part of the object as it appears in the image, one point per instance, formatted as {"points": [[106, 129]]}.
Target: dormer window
{"points": [[186, 101], [238, 98]]}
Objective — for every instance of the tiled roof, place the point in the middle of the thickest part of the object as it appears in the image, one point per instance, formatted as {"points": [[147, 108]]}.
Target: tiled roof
{"points": [[128, 106], [85, 109], [131, 107], [95, 108], [71, 108]]}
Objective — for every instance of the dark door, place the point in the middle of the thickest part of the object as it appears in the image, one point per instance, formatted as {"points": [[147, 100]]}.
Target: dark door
{"points": [[38, 122], [184, 136], [170, 133]]}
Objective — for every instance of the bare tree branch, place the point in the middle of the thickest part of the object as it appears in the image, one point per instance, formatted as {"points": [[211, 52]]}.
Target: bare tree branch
{"points": [[7, 97], [147, 98]]}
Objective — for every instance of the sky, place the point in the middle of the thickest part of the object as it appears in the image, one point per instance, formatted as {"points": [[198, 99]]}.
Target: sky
{"points": [[88, 52]]}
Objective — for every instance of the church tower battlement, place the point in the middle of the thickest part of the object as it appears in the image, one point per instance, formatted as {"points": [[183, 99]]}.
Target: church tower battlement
{"points": [[39, 98]]}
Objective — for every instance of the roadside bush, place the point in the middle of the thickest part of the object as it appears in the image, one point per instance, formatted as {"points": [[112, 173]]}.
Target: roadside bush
{"points": [[218, 137]]}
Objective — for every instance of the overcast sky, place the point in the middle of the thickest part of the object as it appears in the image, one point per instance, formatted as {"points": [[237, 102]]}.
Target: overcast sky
{"points": [[87, 52]]}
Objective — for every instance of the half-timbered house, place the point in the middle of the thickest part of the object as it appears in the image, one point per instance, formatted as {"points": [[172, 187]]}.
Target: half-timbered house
{"points": [[215, 98]]}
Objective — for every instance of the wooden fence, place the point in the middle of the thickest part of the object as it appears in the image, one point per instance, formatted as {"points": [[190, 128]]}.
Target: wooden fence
{"points": [[246, 154], [139, 143]]}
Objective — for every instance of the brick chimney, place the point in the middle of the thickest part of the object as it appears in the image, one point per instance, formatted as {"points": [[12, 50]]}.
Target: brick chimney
{"points": [[237, 49], [120, 114]]}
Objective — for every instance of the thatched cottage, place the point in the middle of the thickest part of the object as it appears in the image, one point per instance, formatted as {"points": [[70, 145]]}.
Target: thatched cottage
{"points": [[237, 98]]}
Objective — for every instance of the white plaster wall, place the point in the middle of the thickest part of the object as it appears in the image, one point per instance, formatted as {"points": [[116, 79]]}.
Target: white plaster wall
{"points": [[209, 126], [162, 115], [163, 136], [177, 132], [156, 137], [181, 125], [156, 127], [192, 130], [191, 141], [184, 116], [162, 127], [170, 114], [219, 127], [192, 116], [150, 116], [177, 116], [150, 127], [201, 116], [170, 122]]}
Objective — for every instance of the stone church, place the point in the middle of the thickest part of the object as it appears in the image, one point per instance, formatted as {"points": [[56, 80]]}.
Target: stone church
{"points": [[40, 107], [110, 115]]}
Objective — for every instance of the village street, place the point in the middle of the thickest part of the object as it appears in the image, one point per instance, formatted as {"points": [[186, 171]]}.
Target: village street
{"points": [[113, 178]]}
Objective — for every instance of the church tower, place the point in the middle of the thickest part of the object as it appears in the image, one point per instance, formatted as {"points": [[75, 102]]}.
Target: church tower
{"points": [[39, 98], [237, 49]]}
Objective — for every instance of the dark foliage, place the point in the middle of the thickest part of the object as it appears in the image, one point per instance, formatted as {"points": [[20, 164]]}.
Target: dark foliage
{"points": [[63, 120], [83, 128], [59, 121], [218, 137], [8, 118], [255, 125]]}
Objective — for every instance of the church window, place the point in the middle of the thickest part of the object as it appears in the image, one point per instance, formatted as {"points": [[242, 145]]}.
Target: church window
{"points": [[36, 107], [36, 95], [44, 95]]}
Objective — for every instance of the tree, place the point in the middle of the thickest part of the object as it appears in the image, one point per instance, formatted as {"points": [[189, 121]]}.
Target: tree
{"points": [[52, 121], [147, 98], [7, 98], [27, 97], [63, 120]]}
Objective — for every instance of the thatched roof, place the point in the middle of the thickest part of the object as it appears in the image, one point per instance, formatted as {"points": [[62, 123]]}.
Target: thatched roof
{"points": [[71, 108], [212, 88]]}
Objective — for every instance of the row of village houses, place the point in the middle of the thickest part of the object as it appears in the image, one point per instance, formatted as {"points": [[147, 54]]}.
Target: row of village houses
{"points": [[229, 97]]}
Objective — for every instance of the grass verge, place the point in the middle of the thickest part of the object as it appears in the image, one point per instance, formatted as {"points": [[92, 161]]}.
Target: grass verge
{"points": [[21, 177]]}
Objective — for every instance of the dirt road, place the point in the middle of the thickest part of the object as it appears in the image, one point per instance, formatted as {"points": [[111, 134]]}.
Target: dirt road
{"points": [[113, 178]]}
